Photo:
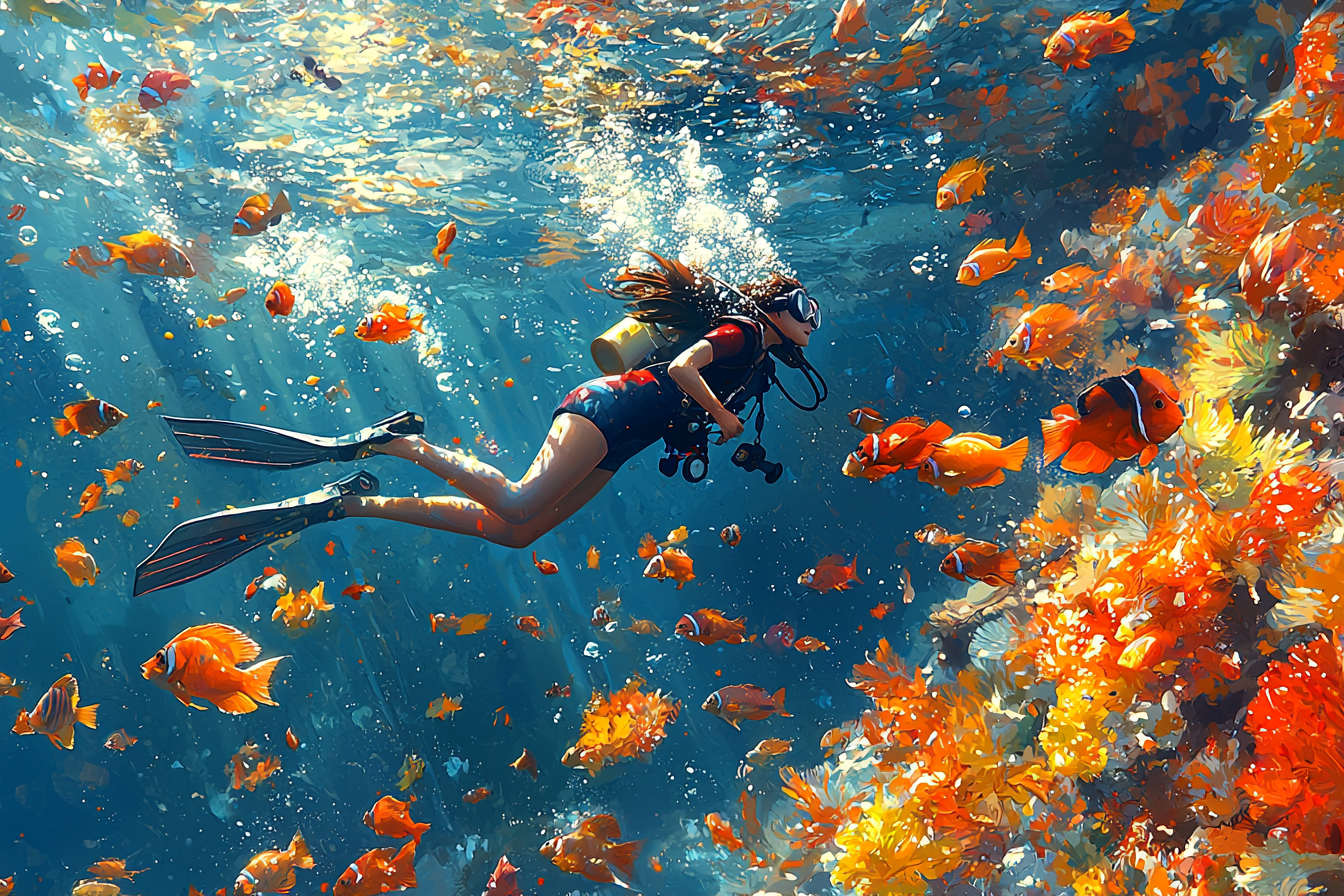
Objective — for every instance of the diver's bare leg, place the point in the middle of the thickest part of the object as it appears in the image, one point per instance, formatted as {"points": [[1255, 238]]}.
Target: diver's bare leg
{"points": [[466, 517], [573, 448]]}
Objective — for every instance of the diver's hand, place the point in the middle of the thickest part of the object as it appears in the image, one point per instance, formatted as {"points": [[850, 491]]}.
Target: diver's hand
{"points": [[731, 427]]}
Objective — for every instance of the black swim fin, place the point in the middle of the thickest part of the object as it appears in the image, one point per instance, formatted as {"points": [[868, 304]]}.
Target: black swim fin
{"points": [[266, 446], [199, 547]]}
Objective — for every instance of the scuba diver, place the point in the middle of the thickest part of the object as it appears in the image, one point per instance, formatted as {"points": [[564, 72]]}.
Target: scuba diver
{"points": [[692, 352]]}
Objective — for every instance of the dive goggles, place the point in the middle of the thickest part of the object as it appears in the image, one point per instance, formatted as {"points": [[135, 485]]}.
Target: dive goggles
{"points": [[801, 307]]}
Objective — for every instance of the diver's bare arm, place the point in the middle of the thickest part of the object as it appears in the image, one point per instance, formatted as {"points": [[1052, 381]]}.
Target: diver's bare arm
{"points": [[685, 372]]}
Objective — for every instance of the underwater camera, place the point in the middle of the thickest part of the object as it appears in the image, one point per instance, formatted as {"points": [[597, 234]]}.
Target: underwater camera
{"points": [[751, 457]]}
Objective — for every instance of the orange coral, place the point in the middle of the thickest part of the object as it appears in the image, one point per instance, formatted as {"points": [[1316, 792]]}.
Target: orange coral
{"points": [[623, 725], [1119, 214], [1297, 778], [1225, 227]]}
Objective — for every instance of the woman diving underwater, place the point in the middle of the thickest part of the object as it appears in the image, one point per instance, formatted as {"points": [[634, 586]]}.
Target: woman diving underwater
{"points": [[692, 350]]}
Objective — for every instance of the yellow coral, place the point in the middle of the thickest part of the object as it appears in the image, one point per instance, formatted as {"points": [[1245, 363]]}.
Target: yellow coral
{"points": [[892, 850], [623, 725], [1238, 361], [1234, 451]]}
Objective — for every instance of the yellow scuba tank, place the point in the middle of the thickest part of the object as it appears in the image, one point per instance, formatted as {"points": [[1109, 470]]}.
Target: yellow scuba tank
{"points": [[623, 346]]}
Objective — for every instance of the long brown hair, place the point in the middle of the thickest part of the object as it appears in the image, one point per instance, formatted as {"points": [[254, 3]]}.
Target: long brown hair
{"points": [[681, 299]]}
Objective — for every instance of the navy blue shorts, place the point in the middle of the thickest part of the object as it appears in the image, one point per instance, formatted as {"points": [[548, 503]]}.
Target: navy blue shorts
{"points": [[632, 411]]}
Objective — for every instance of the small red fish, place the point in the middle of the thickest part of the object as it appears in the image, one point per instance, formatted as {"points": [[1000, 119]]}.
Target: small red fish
{"points": [[503, 880], [91, 417], [280, 300], [161, 87], [831, 574], [903, 445], [475, 796], [545, 567], [90, 500], [807, 644], [865, 419], [10, 624], [739, 702], [991, 258], [5, 574], [592, 850], [881, 610], [982, 561], [529, 625], [16, 212], [731, 535], [291, 739], [150, 254], [1118, 418], [120, 740], [96, 76], [779, 636], [443, 240], [710, 627], [356, 590], [267, 579]]}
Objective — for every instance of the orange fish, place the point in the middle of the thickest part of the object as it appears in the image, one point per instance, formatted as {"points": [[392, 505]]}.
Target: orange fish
{"points": [[280, 300], [113, 869], [123, 471], [210, 321], [119, 741], [378, 871], [391, 323], [1087, 34], [6, 885], [272, 870], [850, 19], [291, 739], [469, 624], [249, 767], [82, 257], [203, 661], [233, 295], [1075, 276], [77, 562], [903, 445], [643, 627], [149, 253], [991, 258], [807, 644], [936, 534], [710, 627], [674, 564], [591, 850], [390, 817], [744, 701], [443, 240], [960, 183], [594, 556], [130, 518], [971, 460], [356, 590], [530, 625], [831, 574], [90, 499], [259, 212], [865, 419], [475, 796], [721, 832], [16, 212], [731, 535], [444, 706], [20, 258], [545, 567], [5, 574], [56, 714], [1051, 332], [1116, 419], [503, 880], [525, 764], [10, 624], [881, 610], [96, 76], [982, 561], [91, 418], [160, 87]]}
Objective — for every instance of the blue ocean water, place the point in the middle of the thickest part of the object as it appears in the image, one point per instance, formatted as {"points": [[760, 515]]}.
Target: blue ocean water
{"points": [[561, 139]]}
